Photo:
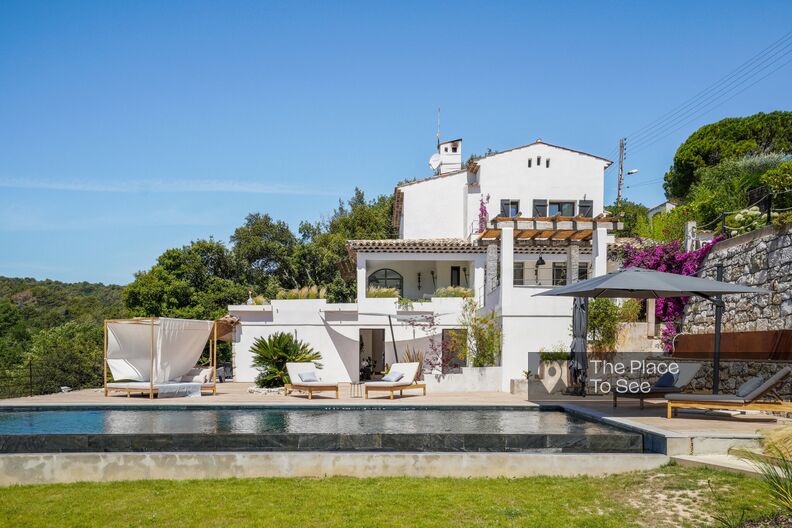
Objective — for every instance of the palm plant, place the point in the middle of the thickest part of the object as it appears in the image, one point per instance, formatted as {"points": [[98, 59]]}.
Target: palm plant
{"points": [[271, 354]]}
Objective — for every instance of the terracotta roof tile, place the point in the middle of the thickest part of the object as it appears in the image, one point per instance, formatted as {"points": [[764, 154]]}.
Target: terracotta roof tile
{"points": [[419, 245]]}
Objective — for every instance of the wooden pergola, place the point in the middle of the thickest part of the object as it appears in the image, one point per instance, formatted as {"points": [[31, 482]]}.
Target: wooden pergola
{"points": [[549, 228]]}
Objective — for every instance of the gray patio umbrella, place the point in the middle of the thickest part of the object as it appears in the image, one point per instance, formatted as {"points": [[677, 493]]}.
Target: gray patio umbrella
{"points": [[650, 284], [578, 359]]}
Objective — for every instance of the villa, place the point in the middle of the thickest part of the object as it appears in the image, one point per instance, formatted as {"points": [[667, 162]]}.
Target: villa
{"points": [[505, 226]]}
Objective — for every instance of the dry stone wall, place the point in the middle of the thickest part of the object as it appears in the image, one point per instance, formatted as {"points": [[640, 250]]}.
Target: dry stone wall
{"points": [[761, 258]]}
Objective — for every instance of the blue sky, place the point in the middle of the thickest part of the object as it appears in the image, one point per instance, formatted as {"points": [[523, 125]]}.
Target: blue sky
{"points": [[127, 128]]}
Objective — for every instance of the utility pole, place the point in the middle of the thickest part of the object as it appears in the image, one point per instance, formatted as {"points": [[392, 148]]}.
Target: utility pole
{"points": [[621, 173]]}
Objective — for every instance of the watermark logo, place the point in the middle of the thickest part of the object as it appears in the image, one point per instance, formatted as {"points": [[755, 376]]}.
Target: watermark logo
{"points": [[627, 376]]}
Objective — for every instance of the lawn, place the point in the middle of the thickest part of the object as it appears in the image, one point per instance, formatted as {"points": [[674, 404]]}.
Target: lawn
{"points": [[671, 496]]}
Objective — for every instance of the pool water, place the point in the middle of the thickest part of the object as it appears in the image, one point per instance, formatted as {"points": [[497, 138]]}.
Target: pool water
{"points": [[258, 429], [263, 421]]}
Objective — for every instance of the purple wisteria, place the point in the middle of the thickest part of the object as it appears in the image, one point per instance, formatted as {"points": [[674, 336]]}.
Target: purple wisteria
{"points": [[669, 258]]}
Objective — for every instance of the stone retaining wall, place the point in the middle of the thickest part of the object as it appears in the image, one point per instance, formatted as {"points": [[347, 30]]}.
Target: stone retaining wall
{"points": [[761, 258]]}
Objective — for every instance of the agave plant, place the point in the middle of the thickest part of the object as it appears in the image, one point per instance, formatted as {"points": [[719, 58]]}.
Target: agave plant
{"points": [[271, 354]]}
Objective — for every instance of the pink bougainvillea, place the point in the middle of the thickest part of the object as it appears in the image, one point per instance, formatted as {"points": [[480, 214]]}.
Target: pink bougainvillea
{"points": [[483, 213], [669, 258]]}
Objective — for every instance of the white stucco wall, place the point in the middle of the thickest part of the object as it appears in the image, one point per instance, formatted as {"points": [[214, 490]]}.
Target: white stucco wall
{"points": [[334, 331], [435, 208], [571, 176]]}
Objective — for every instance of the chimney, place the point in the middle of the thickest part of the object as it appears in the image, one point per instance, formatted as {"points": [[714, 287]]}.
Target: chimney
{"points": [[450, 156]]}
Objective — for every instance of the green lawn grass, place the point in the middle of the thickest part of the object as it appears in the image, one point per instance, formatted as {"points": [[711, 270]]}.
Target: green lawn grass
{"points": [[670, 496]]}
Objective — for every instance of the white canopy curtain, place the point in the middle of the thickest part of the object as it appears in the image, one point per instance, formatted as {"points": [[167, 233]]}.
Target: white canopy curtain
{"points": [[154, 350]]}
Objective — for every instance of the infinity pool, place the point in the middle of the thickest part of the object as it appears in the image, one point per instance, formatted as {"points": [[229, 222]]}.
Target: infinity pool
{"points": [[306, 429]]}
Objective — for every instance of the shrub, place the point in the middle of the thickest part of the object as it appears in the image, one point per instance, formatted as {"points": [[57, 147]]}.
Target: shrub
{"points": [[779, 179], [558, 352], [603, 324], [271, 354], [260, 300], [746, 221], [783, 219], [664, 227], [776, 473], [453, 291], [307, 292], [480, 338], [723, 187], [630, 310], [380, 293]]}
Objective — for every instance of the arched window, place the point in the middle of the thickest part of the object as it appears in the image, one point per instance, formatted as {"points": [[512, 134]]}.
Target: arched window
{"points": [[386, 278]]}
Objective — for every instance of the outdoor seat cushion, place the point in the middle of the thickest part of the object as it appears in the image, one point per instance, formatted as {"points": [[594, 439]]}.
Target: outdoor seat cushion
{"points": [[666, 380], [393, 376], [314, 384], [749, 386], [308, 376], [774, 380], [197, 375], [708, 398], [389, 383]]}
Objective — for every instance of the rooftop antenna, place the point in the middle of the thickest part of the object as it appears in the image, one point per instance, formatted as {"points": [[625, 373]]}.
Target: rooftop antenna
{"points": [[438, 129]]}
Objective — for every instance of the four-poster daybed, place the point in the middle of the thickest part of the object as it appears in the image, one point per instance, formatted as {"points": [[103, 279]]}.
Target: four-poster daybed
{"points": [[157, 356]]}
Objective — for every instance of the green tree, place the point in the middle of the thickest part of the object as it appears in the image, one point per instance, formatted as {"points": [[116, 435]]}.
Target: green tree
{"points": [[265, 249], [724, 187], [196, 282], [664, 226], [68, 355], [729, 138], [629, 213], [603, 324], [325, 242]]}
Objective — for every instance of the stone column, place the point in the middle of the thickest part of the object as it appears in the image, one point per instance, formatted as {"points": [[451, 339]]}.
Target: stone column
{"points": [[572, 262], [507, 266], [650, 318], [492, 268]]}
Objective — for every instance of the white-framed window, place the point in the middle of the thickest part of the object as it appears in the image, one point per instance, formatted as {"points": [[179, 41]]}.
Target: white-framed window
{"points": [[583, 271], [510, 208], [519, 273], [562, 208], [559, 273], [387, 278]]}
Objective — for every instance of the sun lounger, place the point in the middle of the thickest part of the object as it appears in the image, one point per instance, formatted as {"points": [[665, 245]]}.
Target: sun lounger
{"points": [[763, 398], [687, 371], [409, 372], [295, 369]]}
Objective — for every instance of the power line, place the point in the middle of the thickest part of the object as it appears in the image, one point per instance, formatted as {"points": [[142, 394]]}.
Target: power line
{"points": [[710, 103], [740, 71], [720, 103]]}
